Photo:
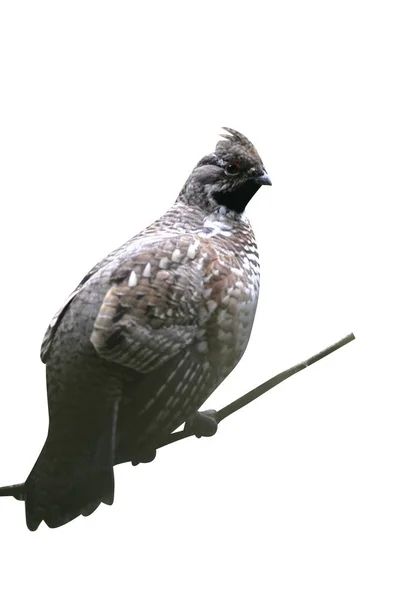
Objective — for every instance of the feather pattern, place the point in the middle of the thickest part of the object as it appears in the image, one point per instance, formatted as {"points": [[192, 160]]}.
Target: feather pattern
{"points": [[148, 334]]}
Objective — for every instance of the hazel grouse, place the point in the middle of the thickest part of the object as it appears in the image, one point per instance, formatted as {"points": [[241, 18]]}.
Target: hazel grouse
{"points": [[148, 335]]}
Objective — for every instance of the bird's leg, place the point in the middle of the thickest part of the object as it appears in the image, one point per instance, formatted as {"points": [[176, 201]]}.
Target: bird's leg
{"points": [[144, 456], [202, 424], [205, 423]]}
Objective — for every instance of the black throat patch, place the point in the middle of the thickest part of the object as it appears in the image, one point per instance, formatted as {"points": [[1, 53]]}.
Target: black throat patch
{"points": [[238, 199]]}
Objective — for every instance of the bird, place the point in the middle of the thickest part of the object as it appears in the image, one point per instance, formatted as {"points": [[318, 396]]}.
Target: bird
{"points": [[147, 336]]}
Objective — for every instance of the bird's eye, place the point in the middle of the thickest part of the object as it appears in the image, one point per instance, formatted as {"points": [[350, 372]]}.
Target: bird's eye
{"points": [[232, 168]]}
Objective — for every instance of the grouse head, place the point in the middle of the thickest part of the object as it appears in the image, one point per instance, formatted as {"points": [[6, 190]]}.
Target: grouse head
{"points": [[229, 177]]}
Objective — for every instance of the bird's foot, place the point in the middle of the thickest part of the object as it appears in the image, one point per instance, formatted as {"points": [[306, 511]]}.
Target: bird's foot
{"points": [[145, 456], [203, 423]]}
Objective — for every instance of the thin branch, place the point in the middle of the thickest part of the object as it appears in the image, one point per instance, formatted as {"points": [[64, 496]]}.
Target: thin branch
{"points": [[18, 491], [236, 405], [265, 387]]}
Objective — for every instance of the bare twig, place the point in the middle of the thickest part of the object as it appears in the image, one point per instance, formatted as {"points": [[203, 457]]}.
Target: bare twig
{"points": [[261, 389], [18, 490]]}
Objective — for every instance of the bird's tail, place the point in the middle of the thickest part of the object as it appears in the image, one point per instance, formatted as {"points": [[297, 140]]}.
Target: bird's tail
{"points": [[74, 473], [83, 500], [68, 482]]}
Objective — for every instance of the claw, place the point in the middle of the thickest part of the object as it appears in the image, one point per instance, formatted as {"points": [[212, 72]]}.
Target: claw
{"points": [[146, 457], [203, 423]]}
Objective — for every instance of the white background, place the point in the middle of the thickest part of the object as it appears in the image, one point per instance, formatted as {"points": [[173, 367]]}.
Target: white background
{"points": [[105, 109]]}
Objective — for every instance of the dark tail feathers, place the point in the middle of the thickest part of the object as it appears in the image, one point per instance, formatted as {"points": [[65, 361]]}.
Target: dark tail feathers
{"points": [[83, 500], [66, 493]]}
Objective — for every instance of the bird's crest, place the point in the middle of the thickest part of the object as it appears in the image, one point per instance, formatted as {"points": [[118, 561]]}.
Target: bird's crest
{"points": [[234, 141], [237, 136]]}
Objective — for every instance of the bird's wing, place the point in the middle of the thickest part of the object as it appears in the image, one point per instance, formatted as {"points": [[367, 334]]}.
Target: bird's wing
{"points": [[153, 307], [52, 328]]}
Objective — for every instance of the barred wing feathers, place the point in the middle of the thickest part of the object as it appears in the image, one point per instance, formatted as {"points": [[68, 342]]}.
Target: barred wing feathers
{"points": [[151, 311]]}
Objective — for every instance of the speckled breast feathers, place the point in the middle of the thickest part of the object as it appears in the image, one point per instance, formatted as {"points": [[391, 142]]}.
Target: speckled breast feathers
{"points": [[176, 292]]}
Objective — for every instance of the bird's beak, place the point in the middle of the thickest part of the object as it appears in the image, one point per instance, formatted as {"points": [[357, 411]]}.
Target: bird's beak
{"points": [[263, 179]]}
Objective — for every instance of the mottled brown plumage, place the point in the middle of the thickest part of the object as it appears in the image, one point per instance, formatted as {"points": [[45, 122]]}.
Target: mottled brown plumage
{"points": [[148, 335]]}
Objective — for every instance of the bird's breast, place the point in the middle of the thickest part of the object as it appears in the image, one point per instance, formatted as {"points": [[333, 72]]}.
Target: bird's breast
{"points": [[230, 295]]}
